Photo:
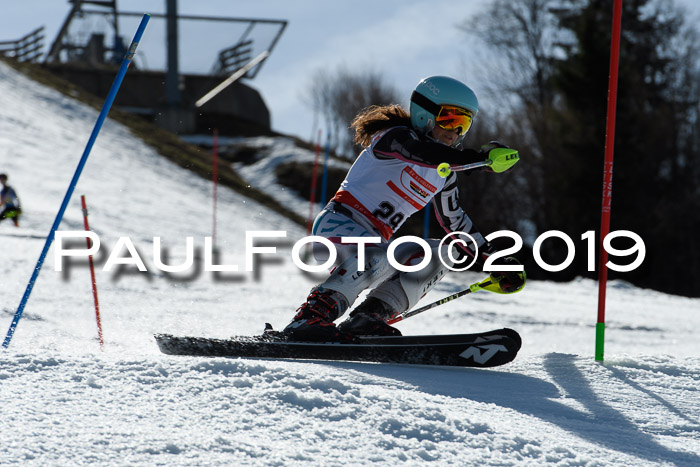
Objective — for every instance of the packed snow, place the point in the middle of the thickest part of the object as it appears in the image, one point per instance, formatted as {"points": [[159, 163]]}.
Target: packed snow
{"points": [[67, 402]]}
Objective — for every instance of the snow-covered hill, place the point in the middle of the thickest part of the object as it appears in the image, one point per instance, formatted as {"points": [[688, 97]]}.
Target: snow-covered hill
{"points": [[65, 402]]}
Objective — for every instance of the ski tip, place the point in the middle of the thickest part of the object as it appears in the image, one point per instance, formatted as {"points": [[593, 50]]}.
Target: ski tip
{"points": [[513, 334]]}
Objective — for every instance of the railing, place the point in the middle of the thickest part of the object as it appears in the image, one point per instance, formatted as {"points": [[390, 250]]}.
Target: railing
{"points": [[233, 58], [27, 49]]}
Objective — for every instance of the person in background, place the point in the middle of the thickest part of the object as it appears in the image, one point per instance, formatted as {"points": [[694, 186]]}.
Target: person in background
{"points": [[10, 207]]}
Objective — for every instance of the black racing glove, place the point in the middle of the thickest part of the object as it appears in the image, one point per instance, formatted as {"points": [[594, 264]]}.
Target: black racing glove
{"points": [[461, 252]]}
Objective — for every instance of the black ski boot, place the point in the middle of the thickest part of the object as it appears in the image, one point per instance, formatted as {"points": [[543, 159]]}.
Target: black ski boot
{"points": [[314, 319], [369, 319]]}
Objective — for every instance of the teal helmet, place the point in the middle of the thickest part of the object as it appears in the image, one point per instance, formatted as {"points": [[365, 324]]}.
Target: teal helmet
{"points": [[434, 92]]}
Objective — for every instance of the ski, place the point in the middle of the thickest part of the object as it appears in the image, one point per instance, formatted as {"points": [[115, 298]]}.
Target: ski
{"points": [[486, 349]]}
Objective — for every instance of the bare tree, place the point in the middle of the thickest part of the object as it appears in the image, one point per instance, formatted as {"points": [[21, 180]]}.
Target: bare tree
{"points": [[514, 42], [548, 60], [521, 38], [338, 96]]}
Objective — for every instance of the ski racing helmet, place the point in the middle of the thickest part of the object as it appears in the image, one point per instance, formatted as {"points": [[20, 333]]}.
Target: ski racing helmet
{"points": [[443, 101]]}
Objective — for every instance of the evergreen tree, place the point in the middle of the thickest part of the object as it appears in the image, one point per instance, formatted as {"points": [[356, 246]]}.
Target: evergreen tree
{"points": [[657, 103]]}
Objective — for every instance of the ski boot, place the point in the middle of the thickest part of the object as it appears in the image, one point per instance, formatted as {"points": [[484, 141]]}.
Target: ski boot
{"points": [[314, 319], [369, 319]]}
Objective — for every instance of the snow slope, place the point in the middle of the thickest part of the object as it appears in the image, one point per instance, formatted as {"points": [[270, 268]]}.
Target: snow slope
{"points": [[65, 402]]}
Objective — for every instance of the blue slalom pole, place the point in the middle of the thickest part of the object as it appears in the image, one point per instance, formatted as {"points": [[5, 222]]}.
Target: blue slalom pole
{"points": [[59, 217], [324, 180], [426, 222]]}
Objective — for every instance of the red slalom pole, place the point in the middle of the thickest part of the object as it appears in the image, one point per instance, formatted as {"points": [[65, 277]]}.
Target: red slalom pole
{"points": [[92, 275], [607, 178], [215, 177], [312, 198]]}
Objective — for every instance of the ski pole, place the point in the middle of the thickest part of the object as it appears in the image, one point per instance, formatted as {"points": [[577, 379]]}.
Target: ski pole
{"points": [[490, 284], [500, 160], [472, 288], [81, 164]]}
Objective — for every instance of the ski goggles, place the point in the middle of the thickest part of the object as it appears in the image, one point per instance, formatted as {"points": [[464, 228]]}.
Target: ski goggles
{"points": [[451, 117]]}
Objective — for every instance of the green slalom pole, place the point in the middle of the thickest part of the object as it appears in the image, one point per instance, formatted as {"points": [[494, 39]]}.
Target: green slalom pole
{"points": [[599, 341]]}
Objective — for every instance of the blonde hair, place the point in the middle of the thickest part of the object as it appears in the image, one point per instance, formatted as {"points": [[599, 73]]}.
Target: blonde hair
{"points": [[376, 118]]}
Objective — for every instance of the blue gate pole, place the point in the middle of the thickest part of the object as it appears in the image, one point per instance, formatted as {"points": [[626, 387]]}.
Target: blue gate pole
{"points": [[324, 180], [59, 217], [426, 221]]}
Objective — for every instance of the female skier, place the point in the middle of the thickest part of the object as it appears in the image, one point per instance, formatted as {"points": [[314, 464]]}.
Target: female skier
{"points": [[394, 177]]}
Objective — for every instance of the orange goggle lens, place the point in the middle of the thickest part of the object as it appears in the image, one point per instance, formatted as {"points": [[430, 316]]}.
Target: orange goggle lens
{"points": [[451, 118]]}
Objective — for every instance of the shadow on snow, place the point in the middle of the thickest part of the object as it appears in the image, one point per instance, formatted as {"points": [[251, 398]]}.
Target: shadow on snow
{"points": [[601, 424]]}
